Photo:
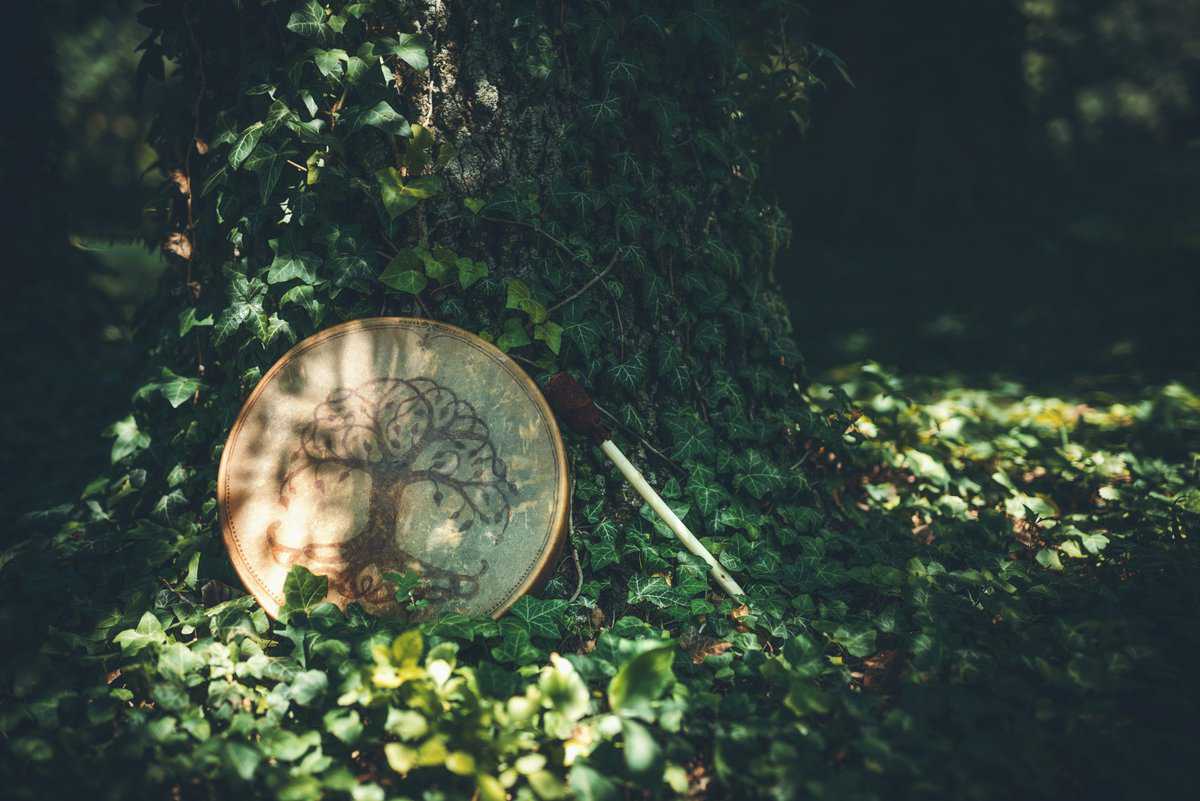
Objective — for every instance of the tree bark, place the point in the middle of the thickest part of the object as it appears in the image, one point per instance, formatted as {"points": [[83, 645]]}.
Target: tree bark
{"points": [[591, 159]]}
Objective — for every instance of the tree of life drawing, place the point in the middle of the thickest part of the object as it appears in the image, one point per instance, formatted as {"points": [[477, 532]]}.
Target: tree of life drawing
{"points": [[410, 441]]}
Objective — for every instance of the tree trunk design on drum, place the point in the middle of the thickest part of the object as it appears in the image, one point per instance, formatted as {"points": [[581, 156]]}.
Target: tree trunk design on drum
{"points": [[402, 433]]}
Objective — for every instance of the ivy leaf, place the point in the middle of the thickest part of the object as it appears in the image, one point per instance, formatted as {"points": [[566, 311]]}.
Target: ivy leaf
{"points": [[405, 723], [403, 265], [224, 130], [672, 369], [641, 680], [245, 303], [344, 724], [411, 48], [303, 591], [278, 113], [177, 389], [310, 104], [602, 547], [549, 332], [643, 756], [310, 131], [1094, 542], [656, 295], [515, 648], [407, 260], [188, 320], [680, 509], [308, 685], [288, 746], [149, 631], [436, 264], [756, 475], [329, 62], [858, 642], [1049, 558], [589, 784], [305, 297], [926, 467], [218, 178], [513, 335], [653, 590], [470, 271], [1071, 548], [127, 439], [692, 438], [243, 758], [724, 387], [520, 298], [709, 336], [289, 265], [273, 327], [401, 279], [538, 617], [628, 375], [177, 660], [709, 495], [404, 585], [245, 144], [268, 179], [398, 196], [381, 116], [581, 329], [309, 21]]}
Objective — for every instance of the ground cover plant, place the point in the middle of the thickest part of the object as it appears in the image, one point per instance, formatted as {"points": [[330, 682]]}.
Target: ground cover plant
{"points": [[951, 592]]}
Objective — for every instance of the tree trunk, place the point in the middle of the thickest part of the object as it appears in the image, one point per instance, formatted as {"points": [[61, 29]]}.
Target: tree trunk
{"points": [[574, 182], [591, 165]]}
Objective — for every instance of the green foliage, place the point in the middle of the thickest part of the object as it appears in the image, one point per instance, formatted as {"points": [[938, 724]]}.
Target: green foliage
{"points": [[937, 589]]}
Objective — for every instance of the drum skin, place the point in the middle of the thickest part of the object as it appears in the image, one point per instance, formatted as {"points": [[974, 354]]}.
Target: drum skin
{"points": [[395, 445]]}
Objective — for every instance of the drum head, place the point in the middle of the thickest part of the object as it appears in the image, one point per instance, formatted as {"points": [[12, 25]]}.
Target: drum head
{"points": [[395, 445]]}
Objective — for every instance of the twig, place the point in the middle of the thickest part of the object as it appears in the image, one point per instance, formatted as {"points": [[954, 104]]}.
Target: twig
{"points": [[424, 308], [539, 230], [440, 220], [571, 535], [586, 286], [187, 171], [578, 575], [620, 325], [335, 108], [521, 358], [640, 438], [187, 158], [181, 596]]}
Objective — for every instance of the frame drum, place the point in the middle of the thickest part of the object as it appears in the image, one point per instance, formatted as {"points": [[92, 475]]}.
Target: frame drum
{"points": [[389, 446]]}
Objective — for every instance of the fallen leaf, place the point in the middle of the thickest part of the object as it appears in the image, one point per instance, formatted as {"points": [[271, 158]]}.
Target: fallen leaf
{"points": [[179, 244]]}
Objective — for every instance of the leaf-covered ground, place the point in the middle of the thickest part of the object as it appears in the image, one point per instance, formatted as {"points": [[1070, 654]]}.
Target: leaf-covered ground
{"points": [[999, 602]]}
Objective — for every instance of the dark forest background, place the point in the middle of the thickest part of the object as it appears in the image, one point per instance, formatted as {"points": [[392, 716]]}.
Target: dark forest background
{"points": [[1000, 189]]}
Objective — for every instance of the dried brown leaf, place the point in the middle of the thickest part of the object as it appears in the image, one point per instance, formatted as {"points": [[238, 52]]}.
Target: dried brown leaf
{"points": [[178, 244], [180, 179]]}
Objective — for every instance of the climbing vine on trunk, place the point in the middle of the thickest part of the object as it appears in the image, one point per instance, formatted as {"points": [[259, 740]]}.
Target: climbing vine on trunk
{"points": [[575, 183]]}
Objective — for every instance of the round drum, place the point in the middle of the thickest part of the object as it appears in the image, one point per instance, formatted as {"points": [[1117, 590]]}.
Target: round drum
{"points": [[395, 446]]}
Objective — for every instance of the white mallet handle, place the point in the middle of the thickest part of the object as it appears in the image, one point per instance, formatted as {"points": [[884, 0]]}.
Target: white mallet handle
{"points": [[634, 477]]}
